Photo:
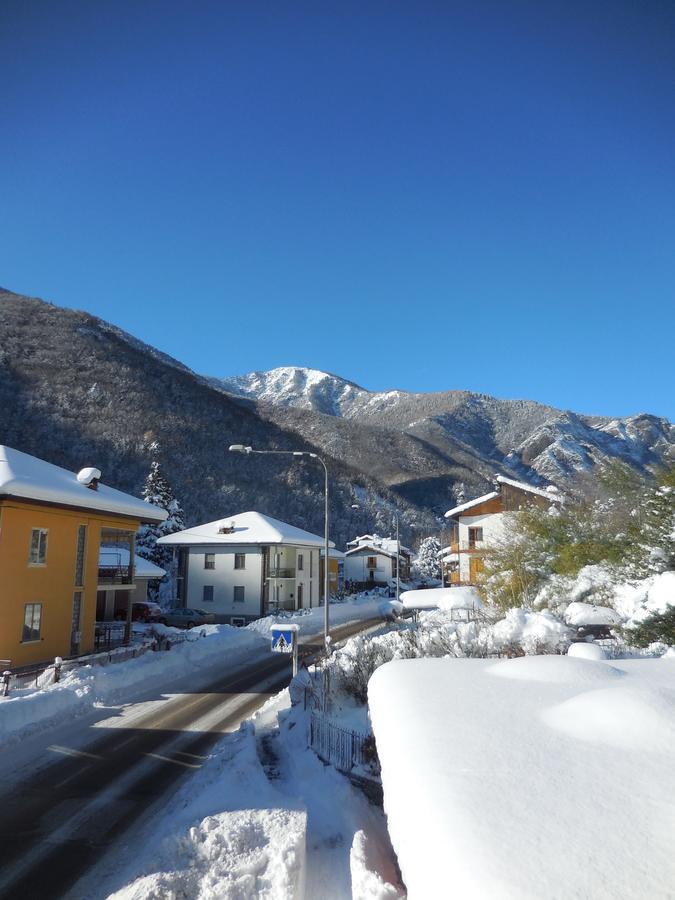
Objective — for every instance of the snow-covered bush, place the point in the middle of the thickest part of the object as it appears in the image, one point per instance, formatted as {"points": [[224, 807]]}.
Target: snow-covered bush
{"points": [[426, 564]]}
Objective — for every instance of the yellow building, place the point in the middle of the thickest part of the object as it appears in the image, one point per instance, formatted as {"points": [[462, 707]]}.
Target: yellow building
{"points": [[53, 524]]}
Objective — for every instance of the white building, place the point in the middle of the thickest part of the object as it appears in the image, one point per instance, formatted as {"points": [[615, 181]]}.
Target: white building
{"points": [[372, 560], [477, 524], [241, 567]]}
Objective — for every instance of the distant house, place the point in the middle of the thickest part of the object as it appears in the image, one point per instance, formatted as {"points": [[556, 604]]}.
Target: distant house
{"points": [[372, 561], [53, 524], [480, 522], [242, 567]]}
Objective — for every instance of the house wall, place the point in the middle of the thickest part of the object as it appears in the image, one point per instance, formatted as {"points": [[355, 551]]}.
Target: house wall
{"points": [[223, 579], [53, 584], [357, 570]]}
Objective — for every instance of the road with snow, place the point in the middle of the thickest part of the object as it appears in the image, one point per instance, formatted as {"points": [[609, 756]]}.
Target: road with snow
{"points": [[59, 819]]}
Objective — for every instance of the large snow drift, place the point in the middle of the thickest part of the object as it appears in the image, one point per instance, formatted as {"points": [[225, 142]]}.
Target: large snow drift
{"points": [[544, 776]]}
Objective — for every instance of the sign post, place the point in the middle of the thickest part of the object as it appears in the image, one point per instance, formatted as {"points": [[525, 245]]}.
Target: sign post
{"points": [[285, 640]]}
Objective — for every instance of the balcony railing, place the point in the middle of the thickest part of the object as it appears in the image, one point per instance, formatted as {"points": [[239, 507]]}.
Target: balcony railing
{"points": [[115, 575], [464, 546], [281, 573]]}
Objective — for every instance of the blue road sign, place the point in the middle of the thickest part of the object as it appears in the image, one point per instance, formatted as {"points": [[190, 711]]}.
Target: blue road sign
{"points": [[282, 640]]}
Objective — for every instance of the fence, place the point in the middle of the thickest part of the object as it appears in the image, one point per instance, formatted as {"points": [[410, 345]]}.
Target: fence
{"points": [[43, 676], [338, 746]]}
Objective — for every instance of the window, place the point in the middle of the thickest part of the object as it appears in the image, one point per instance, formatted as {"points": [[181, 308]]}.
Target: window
{"points": [[38, 547], [207, 593], [79, 556], [238, 621], [311, 564], [475, 536], [75, 623], [240, 560], [209, 560], [31, 622], [371, 562], [300, 562], [238, 594]]}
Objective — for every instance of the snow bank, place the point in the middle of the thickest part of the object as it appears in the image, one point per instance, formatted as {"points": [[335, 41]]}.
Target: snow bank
{"points": [[25, 711], [533, 777], [227, 834], [653, 595], [530, 630], [587, 651], [310, 621]]}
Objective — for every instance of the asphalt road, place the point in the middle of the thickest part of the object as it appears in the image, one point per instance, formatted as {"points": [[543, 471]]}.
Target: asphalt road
{"points": [[58, 823]]}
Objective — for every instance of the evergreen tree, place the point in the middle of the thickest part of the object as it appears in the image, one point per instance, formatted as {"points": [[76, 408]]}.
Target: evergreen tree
{"points": [[158, 491], [427, 563]]}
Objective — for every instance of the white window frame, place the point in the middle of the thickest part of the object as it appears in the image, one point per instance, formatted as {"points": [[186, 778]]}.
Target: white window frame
{"points": [[238, 621], [42, 532], [210, 561]]}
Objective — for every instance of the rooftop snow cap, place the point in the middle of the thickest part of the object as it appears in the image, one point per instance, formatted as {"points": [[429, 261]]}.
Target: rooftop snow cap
{"points": [[89, 477]]}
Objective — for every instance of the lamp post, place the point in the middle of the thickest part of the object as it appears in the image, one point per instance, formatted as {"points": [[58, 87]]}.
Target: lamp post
{"points": [[240, 448]]}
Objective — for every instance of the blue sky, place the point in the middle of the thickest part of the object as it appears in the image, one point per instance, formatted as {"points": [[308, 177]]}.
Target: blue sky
{"points": [[427, 196]]}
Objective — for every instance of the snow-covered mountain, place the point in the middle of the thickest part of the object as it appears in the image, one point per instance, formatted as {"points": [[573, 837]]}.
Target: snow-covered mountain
{"points": [[534, 440]]}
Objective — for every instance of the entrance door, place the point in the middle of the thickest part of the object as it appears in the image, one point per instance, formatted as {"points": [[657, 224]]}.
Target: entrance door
{"points": [[476, 566]]}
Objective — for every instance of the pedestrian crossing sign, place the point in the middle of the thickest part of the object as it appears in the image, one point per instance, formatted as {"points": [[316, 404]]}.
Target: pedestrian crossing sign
{"points": [[283, 640]]}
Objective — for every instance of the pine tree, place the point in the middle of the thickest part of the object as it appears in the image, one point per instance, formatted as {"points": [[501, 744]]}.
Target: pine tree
{"points": [[427, 562], [654, 549], [159, 492]]}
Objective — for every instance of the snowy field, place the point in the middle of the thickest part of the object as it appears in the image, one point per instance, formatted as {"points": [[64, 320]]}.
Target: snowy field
{"points": [[222, 648], [542, 776]]}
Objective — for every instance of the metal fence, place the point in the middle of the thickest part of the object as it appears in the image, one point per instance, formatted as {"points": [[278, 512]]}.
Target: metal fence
{"points": [[338, 746]]}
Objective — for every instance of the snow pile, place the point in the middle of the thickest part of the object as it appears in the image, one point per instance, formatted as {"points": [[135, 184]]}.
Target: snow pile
{"points": [[533, 632], [657, 595], [82, 688], [584, 650], [442, 598], [227, 834], [570, 758], [578, 613], [367, 882]]}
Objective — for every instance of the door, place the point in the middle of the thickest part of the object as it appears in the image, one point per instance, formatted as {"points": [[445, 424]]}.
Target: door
{"points": [[300, 596], [476, 566]]}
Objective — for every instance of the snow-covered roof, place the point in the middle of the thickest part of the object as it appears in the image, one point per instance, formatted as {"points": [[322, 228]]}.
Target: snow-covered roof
{"points": [[375, 542], [569, 758], [460, 597], [333, 553], [119, 556], [375, 548], [458, 509], [551, 494], [579, 613], [245, 528], [30, 478]]}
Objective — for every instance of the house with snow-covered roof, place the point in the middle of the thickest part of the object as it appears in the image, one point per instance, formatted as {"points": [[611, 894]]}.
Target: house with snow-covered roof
{"points": [[244, 566], [55, 526], [476, 524], [372, 561]]}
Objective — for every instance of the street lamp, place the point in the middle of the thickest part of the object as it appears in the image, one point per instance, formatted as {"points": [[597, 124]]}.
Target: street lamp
{"points": [[241, 448]]}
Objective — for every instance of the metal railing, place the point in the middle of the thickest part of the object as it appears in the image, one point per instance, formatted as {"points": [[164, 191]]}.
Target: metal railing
{"points": [[460, 546], [341, 747], [281, 573]]}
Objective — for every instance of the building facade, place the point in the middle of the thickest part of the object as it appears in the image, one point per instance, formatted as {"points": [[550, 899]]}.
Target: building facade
{"points": [[246, 566], [52, 527], [480, 523], [372, 561]]}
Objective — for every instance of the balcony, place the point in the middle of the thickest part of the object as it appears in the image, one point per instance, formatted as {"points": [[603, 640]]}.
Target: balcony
{"points": [[281, 573], [465, 547], [114, 567]]}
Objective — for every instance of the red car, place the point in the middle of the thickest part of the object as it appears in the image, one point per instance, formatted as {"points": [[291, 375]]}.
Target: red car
{"points": [[146, 611]]}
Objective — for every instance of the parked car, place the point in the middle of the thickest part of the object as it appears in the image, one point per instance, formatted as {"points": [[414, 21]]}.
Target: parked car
{"points": [[146, 611], [186, 618]]}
